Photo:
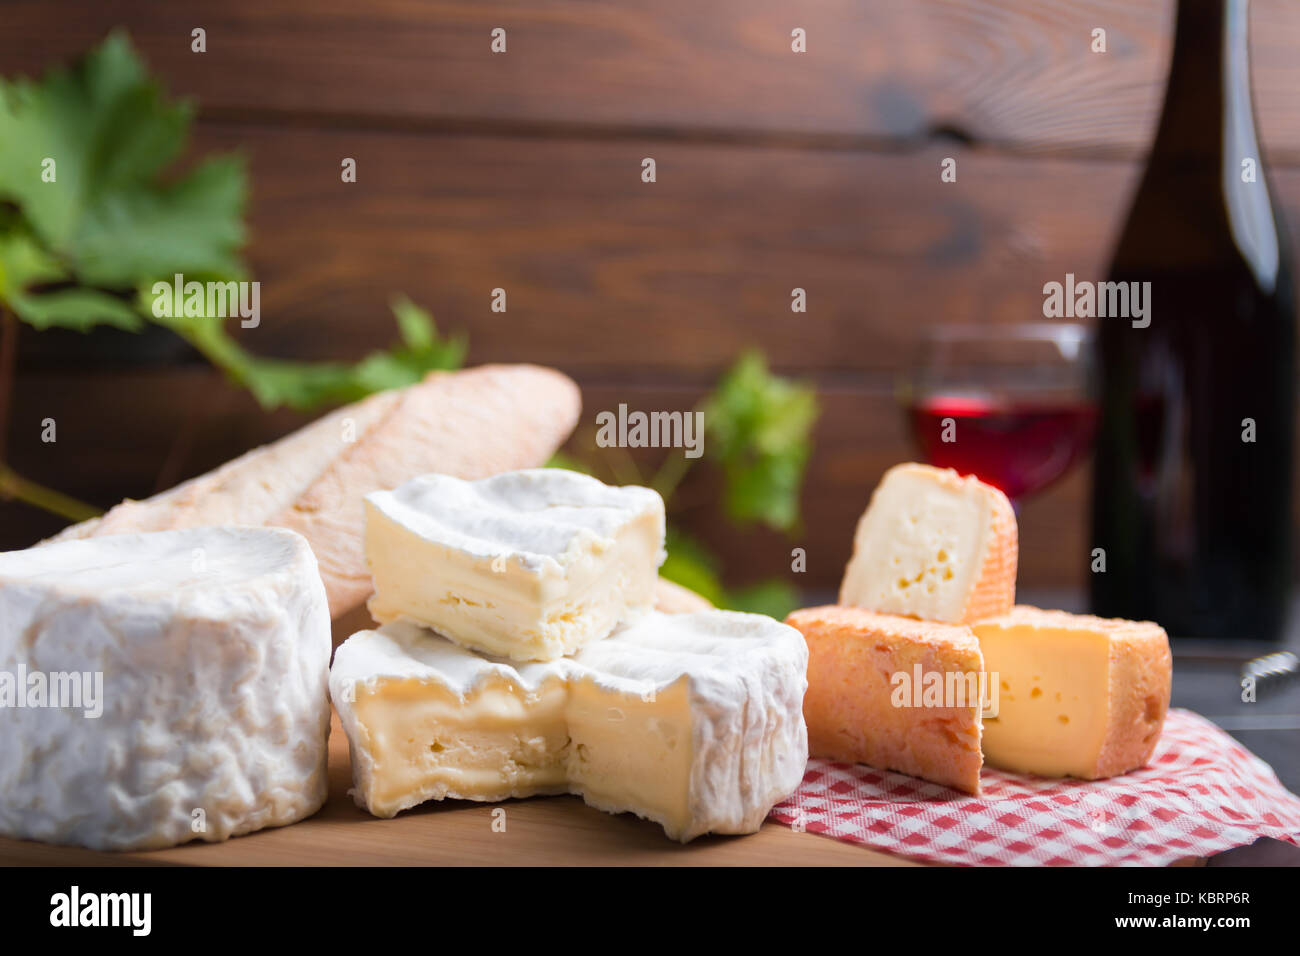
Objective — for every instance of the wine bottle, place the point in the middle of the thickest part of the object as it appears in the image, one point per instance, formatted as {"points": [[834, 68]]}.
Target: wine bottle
{"points": [[1192, 475]]}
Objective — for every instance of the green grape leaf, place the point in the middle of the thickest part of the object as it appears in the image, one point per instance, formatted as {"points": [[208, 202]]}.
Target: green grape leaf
{"points": [[84, 150], [691, 565], [562, 459], [305, 385], [774, 597], [78, 309], [759, 428], [23, 263]]}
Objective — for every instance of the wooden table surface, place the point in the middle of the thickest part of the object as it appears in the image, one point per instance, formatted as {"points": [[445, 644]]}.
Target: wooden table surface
{"points": [[546, 831]]}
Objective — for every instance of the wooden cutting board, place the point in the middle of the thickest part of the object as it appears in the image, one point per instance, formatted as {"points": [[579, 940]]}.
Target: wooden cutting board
{"points": [[546, 831]]}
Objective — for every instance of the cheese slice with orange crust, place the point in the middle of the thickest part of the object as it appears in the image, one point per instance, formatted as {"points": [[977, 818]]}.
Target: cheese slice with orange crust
{"points": [[893, 693], [1078, 696], [934, 545]]}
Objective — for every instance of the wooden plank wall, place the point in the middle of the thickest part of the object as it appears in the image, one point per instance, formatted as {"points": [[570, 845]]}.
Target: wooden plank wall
{"points": [[522, 171]]}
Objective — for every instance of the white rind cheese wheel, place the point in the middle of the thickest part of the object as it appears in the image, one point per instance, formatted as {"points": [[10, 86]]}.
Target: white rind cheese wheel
{"points": [[209, 649]]}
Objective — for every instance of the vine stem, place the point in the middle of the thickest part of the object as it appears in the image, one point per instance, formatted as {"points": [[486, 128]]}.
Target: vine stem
{"points": [[14, 486], [672, 470], [8, 358]]}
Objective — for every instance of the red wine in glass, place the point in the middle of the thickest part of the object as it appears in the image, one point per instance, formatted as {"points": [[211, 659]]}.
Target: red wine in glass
{"points": [[1019, 446], [1011, 403]]}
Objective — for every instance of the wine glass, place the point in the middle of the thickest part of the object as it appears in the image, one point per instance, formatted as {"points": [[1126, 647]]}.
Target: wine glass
{"points": [[1012, 404]]}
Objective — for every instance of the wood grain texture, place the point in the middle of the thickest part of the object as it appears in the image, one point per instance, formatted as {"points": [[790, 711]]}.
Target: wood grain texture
{"points": [[1018, 74], [603, 272], [542, 831], [667, 281]]}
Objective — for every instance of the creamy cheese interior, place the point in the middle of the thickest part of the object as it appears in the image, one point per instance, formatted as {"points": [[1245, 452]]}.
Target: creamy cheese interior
{"points": [[504, 606], [1053, 698], [528, 565], [633, 751], [428, 744], [919, 548]]}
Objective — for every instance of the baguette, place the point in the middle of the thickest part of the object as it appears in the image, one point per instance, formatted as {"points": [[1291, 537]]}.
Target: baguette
{"points": [[469, 424]]}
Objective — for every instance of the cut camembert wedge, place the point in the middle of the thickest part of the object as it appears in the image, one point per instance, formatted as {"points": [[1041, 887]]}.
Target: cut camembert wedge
{"points": [[532, 565], [1078, 696], [867, 699], [933, 545], [693, 721]]}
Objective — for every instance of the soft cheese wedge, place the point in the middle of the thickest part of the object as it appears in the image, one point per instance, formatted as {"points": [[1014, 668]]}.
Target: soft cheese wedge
{"points": [[1078, 696], [182, 681], [690, 720], [893, 693], [934, 545], [530, 565]]}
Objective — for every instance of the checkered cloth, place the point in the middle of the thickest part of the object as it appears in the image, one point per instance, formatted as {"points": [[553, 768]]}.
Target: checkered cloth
{"points": [[1201, 793]]}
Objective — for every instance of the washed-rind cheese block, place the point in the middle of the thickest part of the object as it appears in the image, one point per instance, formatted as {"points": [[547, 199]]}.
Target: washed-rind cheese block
{"points": [[531, 565], [212, 649], [471, 423], [934, 545], [691, 720], [1078, 696], [859, 711]]}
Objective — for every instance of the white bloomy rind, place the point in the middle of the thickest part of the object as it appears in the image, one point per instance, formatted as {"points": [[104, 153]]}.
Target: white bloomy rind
{"points": [[694, 721], [529, 565], [214, 648]]}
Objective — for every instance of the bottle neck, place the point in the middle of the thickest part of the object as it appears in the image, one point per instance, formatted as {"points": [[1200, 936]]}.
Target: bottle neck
{"points": [[1207, 104], [1206, 142]]}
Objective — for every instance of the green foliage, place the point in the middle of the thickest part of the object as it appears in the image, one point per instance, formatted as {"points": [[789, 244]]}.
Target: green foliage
{"points": [[109, 217], [305, 385], [562, 459], [24, 263], [758, 428], [86, 248], [692, 566], [774, 597]]}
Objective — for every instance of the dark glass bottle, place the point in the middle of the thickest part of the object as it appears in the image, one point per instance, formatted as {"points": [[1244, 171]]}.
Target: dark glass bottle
{"points": [[1195, 518]]}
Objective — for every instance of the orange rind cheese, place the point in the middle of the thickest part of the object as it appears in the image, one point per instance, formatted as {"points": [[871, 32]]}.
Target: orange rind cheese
{"points": [[872, 693], [1077, 696], [934, 545]]}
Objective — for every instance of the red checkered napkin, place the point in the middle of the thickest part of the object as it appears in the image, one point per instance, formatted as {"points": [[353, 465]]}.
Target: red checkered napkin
{"points": [[1202, 793]]}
